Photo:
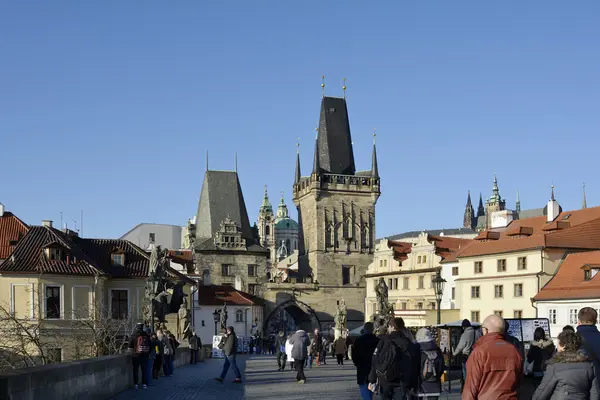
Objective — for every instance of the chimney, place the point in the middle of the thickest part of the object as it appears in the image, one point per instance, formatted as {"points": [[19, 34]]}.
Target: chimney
{"points": [[1, 209], [553, 208], [47, 223], [501, 219]]}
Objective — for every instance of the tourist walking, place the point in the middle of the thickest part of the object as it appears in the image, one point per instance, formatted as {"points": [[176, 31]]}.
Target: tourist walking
{"points": [[195, 345], [431, 366], [362, 356], [324, 347], [168, 353], [339, 347], [140, 344], [309, 359], [494, 367], [590, 337], [540, 351], [174, 344], [569, 374], [229, 346], [152, 357], [393, 367], [300, 343], [280, 349], [317, 346], [159, 356], [464, 347], [288, 352]]}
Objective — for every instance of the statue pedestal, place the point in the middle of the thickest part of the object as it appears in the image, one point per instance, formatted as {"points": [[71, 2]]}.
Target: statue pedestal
{"points": [[337, 333]]}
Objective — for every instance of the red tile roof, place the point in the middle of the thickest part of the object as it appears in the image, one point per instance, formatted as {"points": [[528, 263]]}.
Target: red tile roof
{"points": [[82, 256], [447, 247], [11, 230], [569, 282], [217, 295], [582, 232], [401, 249]]}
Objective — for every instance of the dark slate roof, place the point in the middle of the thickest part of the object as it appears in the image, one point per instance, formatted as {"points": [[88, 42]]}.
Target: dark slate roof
{"points": [[222, 196], [334, 141], [85, 256], [434, 232], [217, 295]]}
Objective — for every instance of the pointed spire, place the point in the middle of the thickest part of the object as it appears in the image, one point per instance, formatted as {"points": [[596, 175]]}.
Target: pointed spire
{"points": [[323, 85], [344, 86], [584, 204], [552, 196], [374, 168], [469, 198], [206, 160], [480, 209], [266, 207], [298, 173], [236, 163], [518, 204], [316, 163]]}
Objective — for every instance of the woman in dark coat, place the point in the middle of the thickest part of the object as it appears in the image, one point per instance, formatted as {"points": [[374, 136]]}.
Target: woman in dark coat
{"points": [[540, 351], [569, 374], [431, 366]]}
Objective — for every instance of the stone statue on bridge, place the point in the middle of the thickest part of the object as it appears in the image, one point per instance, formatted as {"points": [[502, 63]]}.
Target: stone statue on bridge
{"points": [[185, 320], [381, 291], [341, 315]]}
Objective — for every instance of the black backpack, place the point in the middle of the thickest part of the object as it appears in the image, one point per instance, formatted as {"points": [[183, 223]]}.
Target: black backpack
{"points": [[392, 362]]}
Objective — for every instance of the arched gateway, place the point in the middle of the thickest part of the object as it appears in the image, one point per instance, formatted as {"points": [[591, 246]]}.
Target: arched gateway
{"points": [[303, 316]]}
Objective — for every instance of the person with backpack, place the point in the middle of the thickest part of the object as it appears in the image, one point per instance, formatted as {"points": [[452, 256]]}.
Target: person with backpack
{"points": [[432, 365], [299, 342], [168, 353], [140, 344], [280, 349], [464, 347], [339, 347], [392, 364], [160, 353], [174, 344]]}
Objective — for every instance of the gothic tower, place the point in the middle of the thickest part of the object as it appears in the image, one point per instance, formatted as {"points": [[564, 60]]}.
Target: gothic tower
{"points": [[336, 205], [480, 209], [494, 203], [469, 220], [265, 224]]}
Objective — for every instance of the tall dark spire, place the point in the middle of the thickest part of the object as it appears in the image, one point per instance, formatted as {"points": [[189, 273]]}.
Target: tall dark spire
{"points": [[469, 221], [298, 173], [518, 204], [480, 209], [335, 143], [374, 168], [584, 203], [316, 162]]}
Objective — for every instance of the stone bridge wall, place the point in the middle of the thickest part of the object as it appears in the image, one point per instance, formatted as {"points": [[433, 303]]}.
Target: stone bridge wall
{"points": [[92, 379]]}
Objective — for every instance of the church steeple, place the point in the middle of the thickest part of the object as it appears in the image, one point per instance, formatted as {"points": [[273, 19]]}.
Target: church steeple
{"points": [[282, 210], [374, 168], [584, 203], [298, 173], [266, 207], [518, 204], [469, 221], [316, 162], [480, 209]]}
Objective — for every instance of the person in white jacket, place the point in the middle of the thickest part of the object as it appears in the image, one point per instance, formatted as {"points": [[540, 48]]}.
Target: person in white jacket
{"points": [[288, 352]]}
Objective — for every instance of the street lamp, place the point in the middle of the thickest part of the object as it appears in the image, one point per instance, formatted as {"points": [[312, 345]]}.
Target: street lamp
{"points": [[438, 286], [217, 318]]}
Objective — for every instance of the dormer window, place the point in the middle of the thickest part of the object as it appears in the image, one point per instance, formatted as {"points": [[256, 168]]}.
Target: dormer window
{"points": [[118, 259], [590, 271], [54, 254], [587, 275]]}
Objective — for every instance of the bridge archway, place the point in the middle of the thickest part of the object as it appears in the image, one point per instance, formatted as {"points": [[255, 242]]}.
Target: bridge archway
{"points": [[301, 314]]}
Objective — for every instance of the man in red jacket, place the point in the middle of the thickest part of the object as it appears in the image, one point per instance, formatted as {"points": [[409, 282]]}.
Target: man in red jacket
{"points": [[495, 367]]}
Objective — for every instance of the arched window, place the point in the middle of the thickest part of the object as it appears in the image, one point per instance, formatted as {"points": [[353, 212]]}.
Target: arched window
{"points": [[206, 277], [267, 230], [239, 316]]}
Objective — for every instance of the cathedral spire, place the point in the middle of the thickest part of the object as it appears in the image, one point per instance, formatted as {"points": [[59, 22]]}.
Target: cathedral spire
{"points": [[316, 163], [584, 204], [469, 221], [374, 168], [298, 173], [266, 207], [518, 204], [480, 209], [469, 199]]}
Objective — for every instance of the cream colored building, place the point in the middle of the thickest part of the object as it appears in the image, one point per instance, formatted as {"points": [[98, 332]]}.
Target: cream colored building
{"points": [[55, 283], [408, 268], [507, 265]]}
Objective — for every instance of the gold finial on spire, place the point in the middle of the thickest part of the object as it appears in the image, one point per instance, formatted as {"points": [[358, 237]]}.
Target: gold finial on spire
{"points": [[316, 133], [374, 135], [344, 86], [323, 85], [298, 146]]}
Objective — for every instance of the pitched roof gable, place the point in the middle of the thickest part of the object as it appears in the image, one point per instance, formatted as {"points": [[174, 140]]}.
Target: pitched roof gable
{"points": [[217, 295], [12, 229]]}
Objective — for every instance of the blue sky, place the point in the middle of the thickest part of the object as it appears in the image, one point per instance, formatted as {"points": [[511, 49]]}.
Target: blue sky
{"points": [[110, 106]]}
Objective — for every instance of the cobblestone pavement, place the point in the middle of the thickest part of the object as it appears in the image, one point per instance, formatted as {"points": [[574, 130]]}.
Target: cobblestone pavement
{"points": [[262, 381], [192, 382]]}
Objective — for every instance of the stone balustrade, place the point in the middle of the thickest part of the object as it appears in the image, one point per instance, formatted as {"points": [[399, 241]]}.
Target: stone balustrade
{"points": [[91, 379]]}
